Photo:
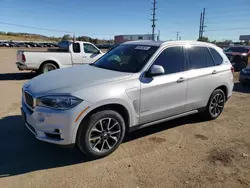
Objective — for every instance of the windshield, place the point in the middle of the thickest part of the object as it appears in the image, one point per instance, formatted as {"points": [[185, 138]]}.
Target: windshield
{"points": [[237, 49], [126, 58]]}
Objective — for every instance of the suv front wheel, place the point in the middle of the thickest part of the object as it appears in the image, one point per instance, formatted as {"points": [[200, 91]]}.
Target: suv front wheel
{"points": [[101, 133]]}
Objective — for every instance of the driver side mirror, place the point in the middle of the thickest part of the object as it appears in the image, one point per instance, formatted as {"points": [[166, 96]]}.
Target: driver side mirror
{"points": [[155, 70]]}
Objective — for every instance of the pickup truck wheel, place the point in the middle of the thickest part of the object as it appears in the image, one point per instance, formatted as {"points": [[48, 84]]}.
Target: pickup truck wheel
{"points": [[48, 67], [101, 133]]}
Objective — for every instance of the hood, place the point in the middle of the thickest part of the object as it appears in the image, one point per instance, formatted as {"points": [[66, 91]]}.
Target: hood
{"points": [[68, 80]]}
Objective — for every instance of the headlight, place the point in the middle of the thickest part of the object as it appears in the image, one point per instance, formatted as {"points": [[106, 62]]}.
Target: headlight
{"points": [[244, 54], [61, 102]]}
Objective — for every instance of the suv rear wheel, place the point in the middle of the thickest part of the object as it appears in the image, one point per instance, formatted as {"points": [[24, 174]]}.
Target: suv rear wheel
{"points": [[101, 133], [215, 104]]}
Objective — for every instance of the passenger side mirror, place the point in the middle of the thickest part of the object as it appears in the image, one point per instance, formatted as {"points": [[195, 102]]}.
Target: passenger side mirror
{"points": [[155, 70]]}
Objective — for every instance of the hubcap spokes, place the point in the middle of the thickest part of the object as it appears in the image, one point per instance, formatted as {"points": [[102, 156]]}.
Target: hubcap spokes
{"points": [[217, 104], [104, 135]]}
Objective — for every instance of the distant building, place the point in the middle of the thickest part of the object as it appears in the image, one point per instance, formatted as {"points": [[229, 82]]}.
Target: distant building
{"points": [[123, 38], [245, 37]]}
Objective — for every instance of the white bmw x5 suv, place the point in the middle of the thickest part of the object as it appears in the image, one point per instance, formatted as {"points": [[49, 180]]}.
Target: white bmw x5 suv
{"points": [[137, 84]]}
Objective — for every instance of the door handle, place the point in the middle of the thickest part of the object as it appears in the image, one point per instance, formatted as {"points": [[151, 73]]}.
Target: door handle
{"points": [[181, 79], [84, 56], [214, 72]]}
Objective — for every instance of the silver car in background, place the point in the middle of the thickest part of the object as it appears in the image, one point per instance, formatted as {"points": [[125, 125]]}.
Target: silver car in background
{"points": [[135, 85]]}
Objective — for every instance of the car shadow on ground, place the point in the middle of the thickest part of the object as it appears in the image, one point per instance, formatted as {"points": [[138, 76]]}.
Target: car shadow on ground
{"points": [[17, 76], [238, 87], [21, 153]]}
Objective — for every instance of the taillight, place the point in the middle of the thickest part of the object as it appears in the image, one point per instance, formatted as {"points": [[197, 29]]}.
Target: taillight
{"points": [[232, 69], [23, 58]]}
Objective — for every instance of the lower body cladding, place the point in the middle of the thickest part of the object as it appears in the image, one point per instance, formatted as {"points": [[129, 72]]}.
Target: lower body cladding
{"points": [[53, 126]]}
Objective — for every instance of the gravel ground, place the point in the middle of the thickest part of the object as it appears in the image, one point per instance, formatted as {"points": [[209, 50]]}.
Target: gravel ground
{"points": [[181, 153]]}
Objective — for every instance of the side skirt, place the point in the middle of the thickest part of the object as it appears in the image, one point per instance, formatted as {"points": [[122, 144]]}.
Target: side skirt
{"points": [[162, 120]]}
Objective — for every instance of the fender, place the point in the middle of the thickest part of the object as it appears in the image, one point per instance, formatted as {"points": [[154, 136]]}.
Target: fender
{"points": [[134, 119], [50, 59]]}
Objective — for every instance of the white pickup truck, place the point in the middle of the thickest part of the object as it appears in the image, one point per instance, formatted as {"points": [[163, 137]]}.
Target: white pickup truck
{"points": [[68, 54]]}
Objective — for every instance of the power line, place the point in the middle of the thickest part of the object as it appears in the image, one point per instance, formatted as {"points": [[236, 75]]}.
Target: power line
{"points": [[229, 29], [229, 13], [46, 29], [31, 27]]}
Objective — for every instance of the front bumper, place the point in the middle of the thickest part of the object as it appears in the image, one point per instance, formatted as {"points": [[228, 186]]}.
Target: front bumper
{"points": [[53, 126], [21, 66]]}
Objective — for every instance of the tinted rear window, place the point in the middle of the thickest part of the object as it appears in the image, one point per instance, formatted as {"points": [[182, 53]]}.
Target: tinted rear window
{"points": [[64, 44], [237, 49]]}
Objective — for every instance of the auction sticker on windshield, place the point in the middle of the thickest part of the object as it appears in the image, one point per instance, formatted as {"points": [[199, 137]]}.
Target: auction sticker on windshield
{"points": [[142, 47]]}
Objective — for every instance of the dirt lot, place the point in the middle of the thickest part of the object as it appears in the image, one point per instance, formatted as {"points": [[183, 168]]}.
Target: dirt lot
{"points": [[181, 153]]}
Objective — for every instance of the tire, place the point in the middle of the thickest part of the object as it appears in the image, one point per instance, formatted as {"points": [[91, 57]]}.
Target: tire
{"points": [[241, 65], [244, 84], [96, 141], [215, 105], [46, 67]]}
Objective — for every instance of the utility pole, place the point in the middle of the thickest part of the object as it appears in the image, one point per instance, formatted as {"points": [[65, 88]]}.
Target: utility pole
{"points": [[159, 33], [200, 25], [203, 20], [177, 35], [153, 20]]}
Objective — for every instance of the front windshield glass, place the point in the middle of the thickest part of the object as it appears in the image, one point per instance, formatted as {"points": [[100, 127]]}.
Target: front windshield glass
{"points": [[126, 58]]}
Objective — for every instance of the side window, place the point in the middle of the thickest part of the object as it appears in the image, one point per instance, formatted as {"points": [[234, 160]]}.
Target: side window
{"points": [[216, 56], [172, 60], [90, 49], [210, 62], [197, 57], [76, 48]]}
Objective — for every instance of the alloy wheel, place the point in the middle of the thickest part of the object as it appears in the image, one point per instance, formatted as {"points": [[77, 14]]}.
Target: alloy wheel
{"points": [[217, 104], [104, 135]]}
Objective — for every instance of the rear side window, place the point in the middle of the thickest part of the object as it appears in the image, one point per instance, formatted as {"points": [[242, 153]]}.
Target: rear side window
{"points": [[216, 56], [197, 57], [172, 60], [209, 59], [76, 48]]}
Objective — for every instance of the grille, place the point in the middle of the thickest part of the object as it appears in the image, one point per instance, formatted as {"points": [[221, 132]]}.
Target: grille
{"points": [[29, 99]]}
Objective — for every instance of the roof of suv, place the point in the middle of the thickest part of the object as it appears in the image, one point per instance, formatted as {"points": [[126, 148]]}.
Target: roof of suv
{"points": [[161, 43]]}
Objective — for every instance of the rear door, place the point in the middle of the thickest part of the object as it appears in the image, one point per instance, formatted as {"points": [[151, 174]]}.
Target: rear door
{"points": [[202, 77], [90, 53]]}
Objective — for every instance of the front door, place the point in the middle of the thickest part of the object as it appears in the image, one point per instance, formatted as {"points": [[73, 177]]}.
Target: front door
{"points": [[90, 53], [165, 95]]}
